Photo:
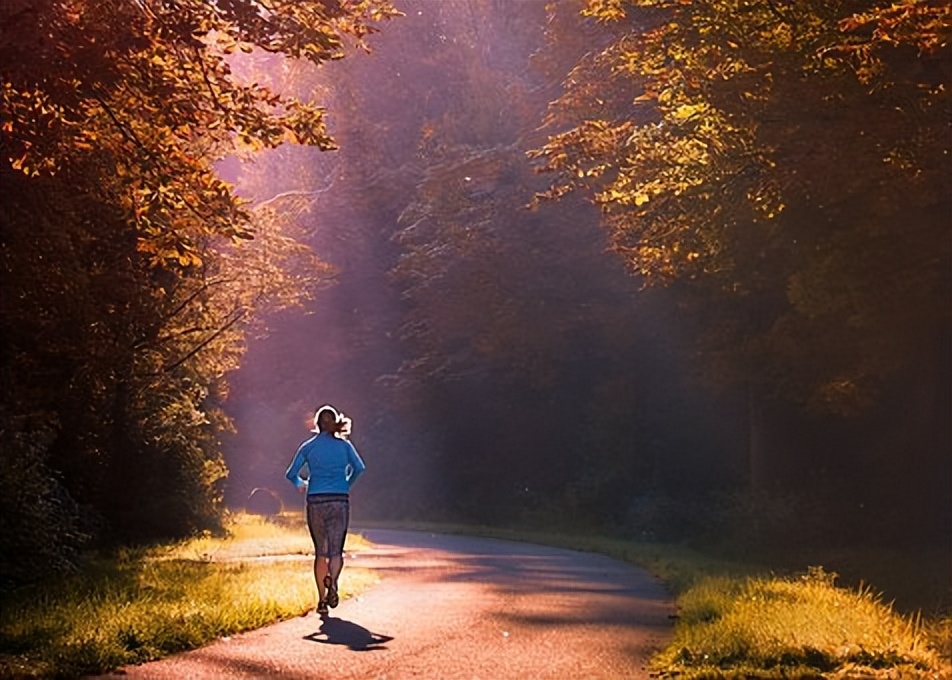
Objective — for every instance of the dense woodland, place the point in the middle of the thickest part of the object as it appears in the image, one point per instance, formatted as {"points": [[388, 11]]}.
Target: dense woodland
{"points": [[662, 269]]}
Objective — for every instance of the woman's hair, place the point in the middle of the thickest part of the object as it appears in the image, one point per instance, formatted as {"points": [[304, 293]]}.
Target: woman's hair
{"points": [[342, 423], [321, 412]]}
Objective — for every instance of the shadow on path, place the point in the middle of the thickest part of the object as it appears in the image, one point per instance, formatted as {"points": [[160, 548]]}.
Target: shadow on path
{"points": [[349, 634]]}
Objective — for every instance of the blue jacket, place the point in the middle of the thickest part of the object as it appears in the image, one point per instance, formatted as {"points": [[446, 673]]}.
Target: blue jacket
{"points": [[333, 465]]}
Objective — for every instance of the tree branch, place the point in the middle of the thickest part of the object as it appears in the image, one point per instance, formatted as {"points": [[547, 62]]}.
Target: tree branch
{"points": [[202, 345]]}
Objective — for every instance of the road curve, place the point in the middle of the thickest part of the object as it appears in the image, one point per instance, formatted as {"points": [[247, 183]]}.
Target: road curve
{"points": [[457, 607]]}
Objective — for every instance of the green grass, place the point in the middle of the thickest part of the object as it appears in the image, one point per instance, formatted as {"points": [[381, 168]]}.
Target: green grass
{"points": [[143, 605], [737, 619], [801, 626]]}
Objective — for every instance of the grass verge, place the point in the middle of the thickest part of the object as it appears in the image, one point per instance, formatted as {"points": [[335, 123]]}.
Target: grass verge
{"points": [[742, 620], [145, 604], [795, 626]]}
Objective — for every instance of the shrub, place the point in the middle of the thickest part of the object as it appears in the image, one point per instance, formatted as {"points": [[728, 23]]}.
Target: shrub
{"points": [[40, 532]]}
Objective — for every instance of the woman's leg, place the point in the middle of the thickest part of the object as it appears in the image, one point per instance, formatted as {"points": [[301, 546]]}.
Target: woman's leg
{"points": [[320, 571], [335, 567], [318, 530], [336, 522]]}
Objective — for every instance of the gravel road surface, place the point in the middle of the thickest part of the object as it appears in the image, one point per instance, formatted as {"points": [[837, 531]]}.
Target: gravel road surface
{"points": [[456, 607]]}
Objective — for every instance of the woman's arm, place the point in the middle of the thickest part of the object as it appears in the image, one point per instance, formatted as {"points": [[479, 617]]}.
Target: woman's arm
{"points": [[294, 469], [355, 464]]}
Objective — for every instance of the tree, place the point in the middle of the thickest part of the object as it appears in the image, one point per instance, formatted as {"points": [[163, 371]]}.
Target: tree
{"points": [[713, 172], [788, 164], [131, 271], [455, 306]]}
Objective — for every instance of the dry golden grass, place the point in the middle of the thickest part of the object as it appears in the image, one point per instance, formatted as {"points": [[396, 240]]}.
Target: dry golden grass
{"points": [[143, 605], [252, 537]]}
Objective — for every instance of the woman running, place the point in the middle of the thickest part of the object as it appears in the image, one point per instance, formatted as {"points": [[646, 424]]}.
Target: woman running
{"points": [[333, 466]]}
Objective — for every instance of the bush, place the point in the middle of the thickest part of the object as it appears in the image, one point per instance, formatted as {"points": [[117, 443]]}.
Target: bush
{"points": [[760, 520], [40, 523], [659, 517]]}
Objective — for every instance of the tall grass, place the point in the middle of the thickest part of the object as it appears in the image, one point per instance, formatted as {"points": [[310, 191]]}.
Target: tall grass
{"points": [[792, 626], [145, 604]]}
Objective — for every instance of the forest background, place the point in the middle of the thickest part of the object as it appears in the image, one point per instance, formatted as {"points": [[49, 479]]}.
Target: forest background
{"points": [[665, 270]]}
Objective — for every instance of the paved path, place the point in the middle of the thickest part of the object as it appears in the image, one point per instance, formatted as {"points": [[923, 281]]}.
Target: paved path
{"points": [[457, 607]]}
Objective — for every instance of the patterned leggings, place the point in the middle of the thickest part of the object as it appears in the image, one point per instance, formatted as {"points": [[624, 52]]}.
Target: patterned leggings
{"points": [[327, 520]]}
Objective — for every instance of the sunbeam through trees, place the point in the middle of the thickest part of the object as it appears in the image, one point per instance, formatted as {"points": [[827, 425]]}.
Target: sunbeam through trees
{"points": [[664, 270]]}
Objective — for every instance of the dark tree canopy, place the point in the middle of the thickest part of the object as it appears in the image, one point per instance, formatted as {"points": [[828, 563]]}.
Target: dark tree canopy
{"points": [[793, 159]]}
